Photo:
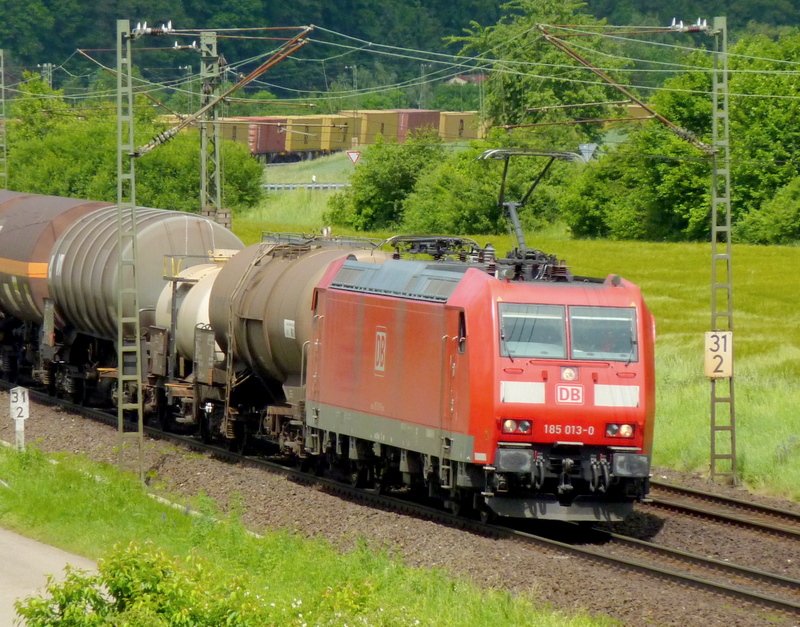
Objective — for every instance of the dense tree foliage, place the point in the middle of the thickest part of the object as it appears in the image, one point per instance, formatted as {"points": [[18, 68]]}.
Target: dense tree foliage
{"points": [[58, 149], [740, 13], [530, 80], [656, 186]]}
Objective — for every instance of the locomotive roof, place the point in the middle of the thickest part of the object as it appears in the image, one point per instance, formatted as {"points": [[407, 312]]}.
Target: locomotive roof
{"points": [[415, 280]]}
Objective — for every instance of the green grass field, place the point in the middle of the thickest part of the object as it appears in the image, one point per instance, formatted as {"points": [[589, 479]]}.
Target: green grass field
{"points": [[218, 573], [675, 279]]}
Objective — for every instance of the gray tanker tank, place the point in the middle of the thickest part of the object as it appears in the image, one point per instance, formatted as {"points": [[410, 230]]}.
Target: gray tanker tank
{"points": [[190, 295], [30, 224], [269, 289], [83, 264]]}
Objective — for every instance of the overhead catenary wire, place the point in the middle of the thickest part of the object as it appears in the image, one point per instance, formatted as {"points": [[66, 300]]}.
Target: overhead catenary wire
{"points": [[453, 64]]}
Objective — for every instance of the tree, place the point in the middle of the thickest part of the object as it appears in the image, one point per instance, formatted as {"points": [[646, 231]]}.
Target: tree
{"points": [[380, 184], [655, 186], [461, 193], [778, 220], [457, 196], [68, 151], [526, 73]]}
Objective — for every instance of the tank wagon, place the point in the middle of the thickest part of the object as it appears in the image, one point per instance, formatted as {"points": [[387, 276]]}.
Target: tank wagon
{"points": [[502, 385], [58, 284]]}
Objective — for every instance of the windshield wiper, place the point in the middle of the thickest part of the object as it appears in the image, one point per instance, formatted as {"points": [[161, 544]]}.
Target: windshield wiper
{"points": [[506, 349]]}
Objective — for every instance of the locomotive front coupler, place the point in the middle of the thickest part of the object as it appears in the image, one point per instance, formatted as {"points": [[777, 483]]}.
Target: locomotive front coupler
{"points": [[600, 474], [565, 484], [537, 475]]}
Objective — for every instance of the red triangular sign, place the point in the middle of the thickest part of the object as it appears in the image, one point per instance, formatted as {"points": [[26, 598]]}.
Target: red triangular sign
{"points": [[353, 155]]}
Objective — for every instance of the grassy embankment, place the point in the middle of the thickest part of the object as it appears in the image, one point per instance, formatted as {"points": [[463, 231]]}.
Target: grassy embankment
{"points": [[275, 580], [675, 279]]}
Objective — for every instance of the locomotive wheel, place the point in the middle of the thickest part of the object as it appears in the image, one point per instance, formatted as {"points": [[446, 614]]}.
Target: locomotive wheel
{"points": [[358, 477], [461, 504]]}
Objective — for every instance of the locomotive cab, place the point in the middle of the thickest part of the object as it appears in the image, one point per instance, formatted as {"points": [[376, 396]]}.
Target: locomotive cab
{"points": [[574, 403]]}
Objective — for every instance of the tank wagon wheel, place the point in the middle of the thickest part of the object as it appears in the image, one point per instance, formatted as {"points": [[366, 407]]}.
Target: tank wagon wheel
{"points": [[204, 420], [165, 419], [487, 516], [239, 443]]}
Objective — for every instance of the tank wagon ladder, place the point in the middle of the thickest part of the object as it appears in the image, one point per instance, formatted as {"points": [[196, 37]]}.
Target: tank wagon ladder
{"points": [[227, 422]]}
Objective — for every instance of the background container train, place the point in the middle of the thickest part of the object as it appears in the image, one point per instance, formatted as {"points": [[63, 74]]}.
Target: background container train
{"points": [[275, 138], [502, 385]]}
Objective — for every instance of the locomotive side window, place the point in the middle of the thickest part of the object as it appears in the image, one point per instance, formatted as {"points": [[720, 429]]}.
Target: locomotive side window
{"points": [[532, 331], [603, 333]]}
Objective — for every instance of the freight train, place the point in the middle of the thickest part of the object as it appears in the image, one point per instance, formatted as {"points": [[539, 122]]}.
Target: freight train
{"points": [[500, 385], [276, 138]]}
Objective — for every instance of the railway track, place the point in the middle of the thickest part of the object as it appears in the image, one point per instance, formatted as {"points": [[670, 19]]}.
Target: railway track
{"points": [[758, 588], [666, 496]]}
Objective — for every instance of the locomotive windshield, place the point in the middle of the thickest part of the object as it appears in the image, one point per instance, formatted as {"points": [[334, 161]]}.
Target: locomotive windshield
{"points": [[603, 333], [532, 331], [596, 333]]}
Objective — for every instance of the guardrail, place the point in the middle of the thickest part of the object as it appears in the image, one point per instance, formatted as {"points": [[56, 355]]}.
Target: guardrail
{"points": [[289, 186]]}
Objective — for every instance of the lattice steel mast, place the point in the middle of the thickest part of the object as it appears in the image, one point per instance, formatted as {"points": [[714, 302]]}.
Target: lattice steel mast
{"points": [[723, 416], [210, 186], [129, 358], [3, 149]]}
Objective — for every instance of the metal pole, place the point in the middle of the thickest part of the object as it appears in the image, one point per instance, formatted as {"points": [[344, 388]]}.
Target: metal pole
{"points": [[3, 149], [723, 415], [210, 185], [129, 372]]}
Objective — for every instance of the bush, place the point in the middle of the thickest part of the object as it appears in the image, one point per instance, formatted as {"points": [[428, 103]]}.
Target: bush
{"points": [[777, 221], [143, 586]]}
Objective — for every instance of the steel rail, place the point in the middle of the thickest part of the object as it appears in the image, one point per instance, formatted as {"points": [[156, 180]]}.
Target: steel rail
{"points": [[789, 525]]}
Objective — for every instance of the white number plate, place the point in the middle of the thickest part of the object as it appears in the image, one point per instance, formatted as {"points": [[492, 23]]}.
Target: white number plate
{"points": [[569, 430]]}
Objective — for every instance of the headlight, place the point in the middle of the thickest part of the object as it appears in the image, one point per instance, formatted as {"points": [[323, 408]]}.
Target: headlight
{"points": [[615, 430], [509, 426], [569, 373], [516, 426]]}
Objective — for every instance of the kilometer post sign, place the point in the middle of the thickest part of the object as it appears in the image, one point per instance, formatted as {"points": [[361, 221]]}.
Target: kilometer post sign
{"points": [[719, 354], [20, 409]]}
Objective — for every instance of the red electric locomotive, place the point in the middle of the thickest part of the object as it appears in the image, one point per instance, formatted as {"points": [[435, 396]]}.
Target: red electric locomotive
{"points": [[520, 398]]}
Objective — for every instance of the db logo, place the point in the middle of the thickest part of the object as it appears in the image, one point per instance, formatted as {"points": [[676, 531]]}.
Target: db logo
{"points": [[380, 350], [569, 394]]}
